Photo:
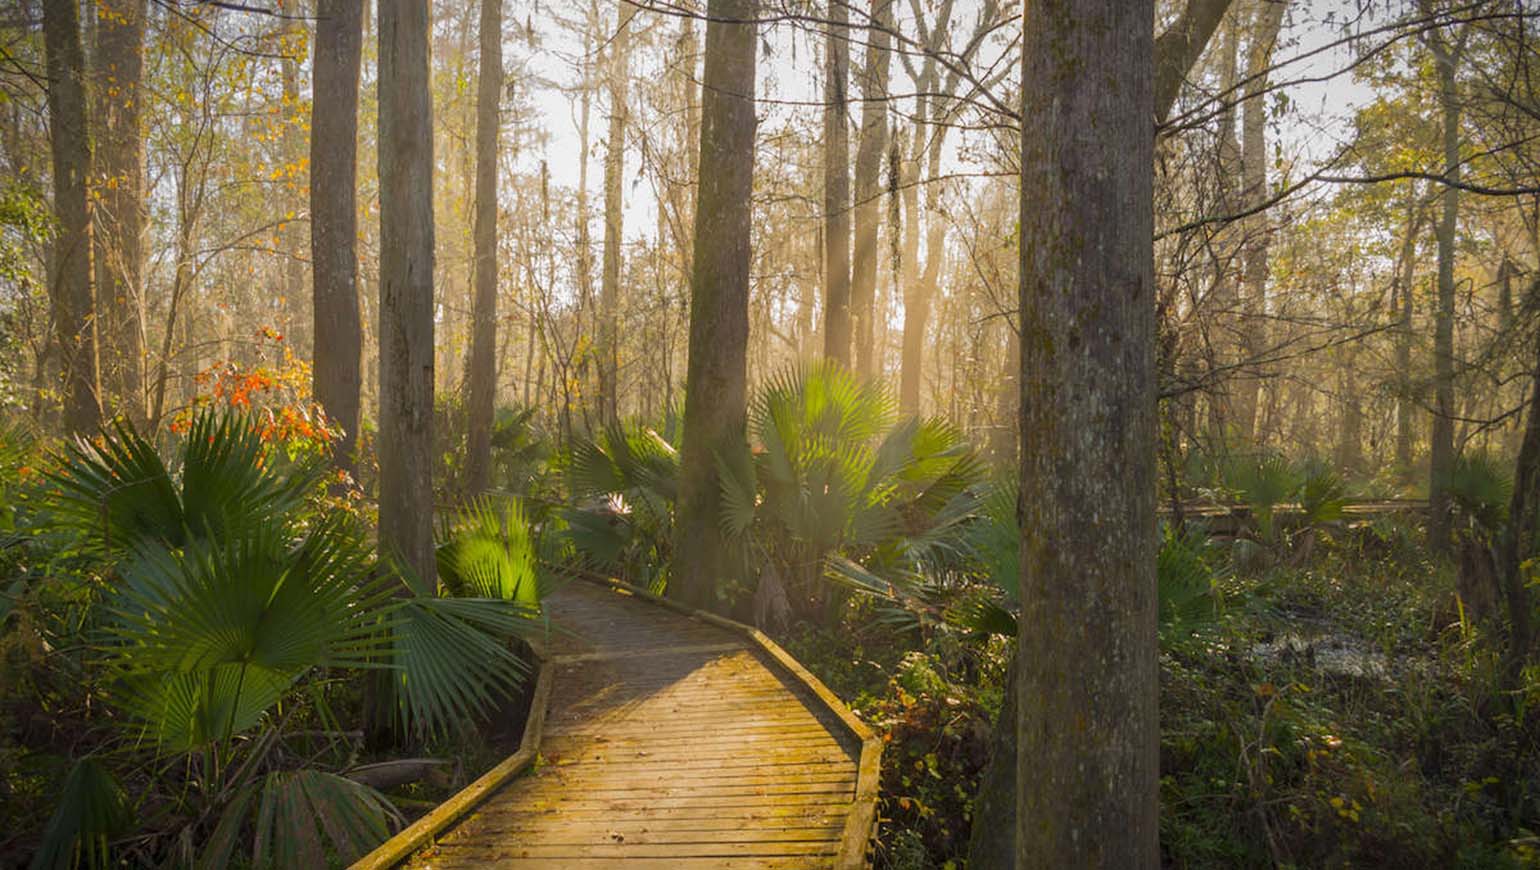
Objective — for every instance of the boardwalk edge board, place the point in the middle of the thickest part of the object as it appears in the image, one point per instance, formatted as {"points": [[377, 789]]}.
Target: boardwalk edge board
{"points": [[860, 824], [418, 834]]}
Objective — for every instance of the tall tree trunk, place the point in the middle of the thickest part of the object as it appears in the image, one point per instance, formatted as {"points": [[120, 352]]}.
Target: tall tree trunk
{"points": [[120, 215], [1087, 729], [74, 306], [614, 215], [585, 266], [1228, 322], [836, 185], [716, 380], [1441, 459], [868, 206], [406, 289], [1264, 36], [337, 325], [1405, 275], [909, 275], [483, 373]]}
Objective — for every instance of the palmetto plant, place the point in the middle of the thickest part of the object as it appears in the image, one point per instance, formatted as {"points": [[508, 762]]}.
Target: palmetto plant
{"points": [[230, 604], [623, 484], [1270, 481], [1482, 488], [833, 489], [1185, 571]]}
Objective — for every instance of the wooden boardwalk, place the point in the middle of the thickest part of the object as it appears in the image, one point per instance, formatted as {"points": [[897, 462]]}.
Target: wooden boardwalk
{"points": [[673, 742]]}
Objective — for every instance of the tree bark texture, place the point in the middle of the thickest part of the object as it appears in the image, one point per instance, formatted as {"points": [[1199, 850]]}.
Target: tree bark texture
{"points": [[1441, 459], [870, 154], [119, 220], [716, 378], [614, 216], [406, 289], [1087, 729], [74, 306], [1264, 36], [836, 186], [483, 368], [336, 376]]}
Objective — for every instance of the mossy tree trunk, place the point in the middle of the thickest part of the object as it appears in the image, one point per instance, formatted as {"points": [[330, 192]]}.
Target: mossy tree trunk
{"points": [[120, 214], [1447, 50]]}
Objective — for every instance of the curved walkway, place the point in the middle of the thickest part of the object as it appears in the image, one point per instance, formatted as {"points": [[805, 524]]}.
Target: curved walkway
{"points": [[673, 741]]}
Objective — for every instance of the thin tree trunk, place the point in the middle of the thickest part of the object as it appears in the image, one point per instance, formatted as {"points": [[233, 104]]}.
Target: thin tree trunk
{"points": [[914, 330], [337, 377], [293, 146], [74, 306], [483, 373], [1087, 729], [1254, 160], [614, 216], [1350, 448], [120, 215], [869, 158], [836, 185], [1224, 301], [1441, 460], [716, 381], [585, 268], [1405, 275], [406, 290]]}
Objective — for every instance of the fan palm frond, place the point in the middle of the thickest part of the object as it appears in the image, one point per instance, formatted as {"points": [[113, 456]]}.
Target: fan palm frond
{"points": [[454, 658], [229, 479], [298, 815], [490, 554], [1482, 488], [117, 491], [91, 810], [1184, 580], [204, 639]]}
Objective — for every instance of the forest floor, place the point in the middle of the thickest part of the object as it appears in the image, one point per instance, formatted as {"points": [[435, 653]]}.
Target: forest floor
{"points": [[1339, 711]]}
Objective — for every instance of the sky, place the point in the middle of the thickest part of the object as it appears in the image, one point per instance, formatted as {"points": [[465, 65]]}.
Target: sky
{"points": [[1322, 103]]}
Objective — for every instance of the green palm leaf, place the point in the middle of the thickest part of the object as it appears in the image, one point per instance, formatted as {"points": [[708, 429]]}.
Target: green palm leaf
{"points": [[91, 810], [491, 555], [205, 639], [454, 658], [299, 815], [117, 491], [229, 479]]}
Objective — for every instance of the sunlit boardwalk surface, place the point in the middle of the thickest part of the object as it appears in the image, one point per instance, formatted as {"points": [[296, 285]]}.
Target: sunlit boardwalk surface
{"points": [[671, 742]]}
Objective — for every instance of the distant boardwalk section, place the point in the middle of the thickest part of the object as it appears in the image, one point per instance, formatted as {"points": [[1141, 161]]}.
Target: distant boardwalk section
{"points": [[673, 741]]}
